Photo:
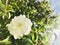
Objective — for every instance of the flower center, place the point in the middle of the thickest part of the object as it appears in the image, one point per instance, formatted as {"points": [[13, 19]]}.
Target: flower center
{"points": [[19, 25]]}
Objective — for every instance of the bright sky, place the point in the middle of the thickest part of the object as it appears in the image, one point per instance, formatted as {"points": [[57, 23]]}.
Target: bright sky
{"points": [[55, 5]]}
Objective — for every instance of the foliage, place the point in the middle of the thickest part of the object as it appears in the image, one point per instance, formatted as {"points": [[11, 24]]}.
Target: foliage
{"points": [[38, 12]]}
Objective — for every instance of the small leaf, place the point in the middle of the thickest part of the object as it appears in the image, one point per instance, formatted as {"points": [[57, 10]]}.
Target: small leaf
{"points": [[27, 41], [5, 41]]}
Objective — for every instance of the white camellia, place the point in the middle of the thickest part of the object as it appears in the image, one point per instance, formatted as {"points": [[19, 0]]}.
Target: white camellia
{"points": [[19, 26]]}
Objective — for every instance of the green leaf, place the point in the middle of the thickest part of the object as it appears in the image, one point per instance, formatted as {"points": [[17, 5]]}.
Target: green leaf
{"points": [[27, 41], [5, 41]]}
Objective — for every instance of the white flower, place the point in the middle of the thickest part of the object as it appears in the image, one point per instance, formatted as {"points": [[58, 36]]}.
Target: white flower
{"points": [[19, 26]]}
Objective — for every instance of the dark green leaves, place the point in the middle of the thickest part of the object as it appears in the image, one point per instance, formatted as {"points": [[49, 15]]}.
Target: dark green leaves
{"points": [[25, 41]]}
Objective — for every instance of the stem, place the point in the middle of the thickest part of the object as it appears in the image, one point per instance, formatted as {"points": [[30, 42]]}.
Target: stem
{"points": [[16, 43], [6, 2]]}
